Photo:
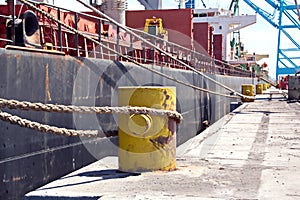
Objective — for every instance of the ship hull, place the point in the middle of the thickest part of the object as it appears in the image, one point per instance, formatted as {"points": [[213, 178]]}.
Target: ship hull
{"points": [[29, 159]]}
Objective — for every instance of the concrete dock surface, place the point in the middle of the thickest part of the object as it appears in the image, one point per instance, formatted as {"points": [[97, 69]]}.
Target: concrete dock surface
{"points": [[251, 153]]}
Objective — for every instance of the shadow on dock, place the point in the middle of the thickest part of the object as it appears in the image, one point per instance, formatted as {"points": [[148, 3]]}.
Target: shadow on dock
{"points": [[100, 175]]}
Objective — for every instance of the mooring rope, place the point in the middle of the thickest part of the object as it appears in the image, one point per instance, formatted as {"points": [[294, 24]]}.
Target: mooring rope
{"points": [[14, 104], [137, 63], [25, 105], [4, 116]]}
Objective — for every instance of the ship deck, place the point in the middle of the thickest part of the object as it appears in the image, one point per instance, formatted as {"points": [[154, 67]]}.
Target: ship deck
{"points": [[251, 153]]}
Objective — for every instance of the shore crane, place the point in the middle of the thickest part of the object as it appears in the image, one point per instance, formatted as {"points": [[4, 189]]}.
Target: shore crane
{"points": [[236, 40], [285, 18]]}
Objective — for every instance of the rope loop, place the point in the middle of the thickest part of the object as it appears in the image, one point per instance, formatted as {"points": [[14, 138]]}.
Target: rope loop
{"points": [[25, 105]]}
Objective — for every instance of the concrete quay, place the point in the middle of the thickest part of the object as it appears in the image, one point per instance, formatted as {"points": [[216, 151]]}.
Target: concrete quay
{"points": [[251, 153]]}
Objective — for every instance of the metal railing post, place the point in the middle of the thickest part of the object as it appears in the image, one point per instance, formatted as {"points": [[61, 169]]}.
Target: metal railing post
{"points": [[12, 10], [59, 30], [76, 35], [167, 57], [118, 42], [152, 51], [131, 46], [99, 36], [143, 53], [173, 61]]}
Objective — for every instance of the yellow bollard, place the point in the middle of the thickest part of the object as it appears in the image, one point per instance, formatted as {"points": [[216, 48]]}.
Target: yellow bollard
{"points": [[146, 142], [265, 86], [248, 89], [259, 88]]}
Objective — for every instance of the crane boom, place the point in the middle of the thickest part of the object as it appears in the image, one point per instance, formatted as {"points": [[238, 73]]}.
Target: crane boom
{"points": [[266, 15], [287, 22]]}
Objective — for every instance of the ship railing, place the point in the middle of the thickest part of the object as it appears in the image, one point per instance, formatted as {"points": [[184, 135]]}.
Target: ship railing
{"points": [[116, 39], [5, 16], [3, 37], [59, 37], [227, 69], [191, 57], [266, 78], [121, 42], [118, 43], [6, 40], [199, 61]]}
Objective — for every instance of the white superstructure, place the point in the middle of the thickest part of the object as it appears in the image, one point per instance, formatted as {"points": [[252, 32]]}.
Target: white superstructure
{"points": [[224, 23]]}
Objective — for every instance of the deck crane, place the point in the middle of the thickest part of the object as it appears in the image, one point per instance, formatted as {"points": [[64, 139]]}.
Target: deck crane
{"points": [[285, 18], [236, 40], [235, 4]]}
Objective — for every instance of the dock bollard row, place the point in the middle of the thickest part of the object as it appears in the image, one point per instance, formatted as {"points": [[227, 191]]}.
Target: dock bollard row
{"points": [[146, 142], [262, 87], [259, 88], [248, 90]]}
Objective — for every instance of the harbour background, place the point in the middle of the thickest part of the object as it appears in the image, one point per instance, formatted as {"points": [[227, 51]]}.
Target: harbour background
{"points": [[260, 38]]}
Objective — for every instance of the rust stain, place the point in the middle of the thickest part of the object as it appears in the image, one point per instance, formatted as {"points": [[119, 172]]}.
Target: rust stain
{"points": [[48, 95], [5, 180], [13, 179], [18, 56], [79, 61], [161, 141], [17, 178], [172, 126], [165, 99]]}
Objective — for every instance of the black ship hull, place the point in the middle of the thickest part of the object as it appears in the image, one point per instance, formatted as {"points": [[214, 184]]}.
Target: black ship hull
{"points": [[29, 159]]}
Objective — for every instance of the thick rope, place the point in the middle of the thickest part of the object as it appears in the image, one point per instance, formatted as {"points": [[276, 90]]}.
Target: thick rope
{"points": [[24, 105], [44, 128], [139, 64], [14, 104]]}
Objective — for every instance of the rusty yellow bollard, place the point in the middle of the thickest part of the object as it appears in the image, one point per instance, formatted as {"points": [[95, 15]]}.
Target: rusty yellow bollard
{"points": [[259, 88], [147, 142], [248, 90], [269, 85], [265, 86]]}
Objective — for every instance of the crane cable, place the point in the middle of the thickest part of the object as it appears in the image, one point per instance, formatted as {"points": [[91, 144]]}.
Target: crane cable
{"points": [[203, 4]]}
